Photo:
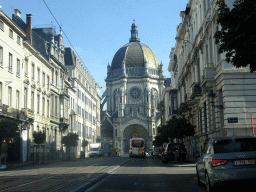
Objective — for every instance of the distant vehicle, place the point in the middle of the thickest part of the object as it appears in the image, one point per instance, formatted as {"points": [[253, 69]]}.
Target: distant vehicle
{"points": [[95, 150], [156, 152], [137, 147], [173, 149], [227, 160]]}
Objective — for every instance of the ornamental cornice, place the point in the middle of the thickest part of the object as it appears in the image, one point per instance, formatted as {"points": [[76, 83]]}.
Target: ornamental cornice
{"points": [[26, 81]]}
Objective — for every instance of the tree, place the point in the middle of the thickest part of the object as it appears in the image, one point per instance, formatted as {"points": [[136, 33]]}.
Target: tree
{"points": [[84, 144], [8, 129], [236, 36], [39, 138], [180, 128], [70, 140]]}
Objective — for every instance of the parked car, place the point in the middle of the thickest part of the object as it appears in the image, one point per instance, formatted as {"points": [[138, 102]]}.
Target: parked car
{"points": [[227, 160], [174, 149], [156, 152]]}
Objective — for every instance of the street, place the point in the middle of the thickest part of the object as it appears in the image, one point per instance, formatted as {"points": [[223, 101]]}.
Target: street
{"points": [[101, 174], [149, 174], [56, 176]]}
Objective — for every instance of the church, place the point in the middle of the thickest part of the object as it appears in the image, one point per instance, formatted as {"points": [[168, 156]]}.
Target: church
{"points": [[134, 85]]}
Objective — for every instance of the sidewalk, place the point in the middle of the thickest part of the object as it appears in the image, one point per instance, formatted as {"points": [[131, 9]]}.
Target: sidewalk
{"points": [[188, 163]]}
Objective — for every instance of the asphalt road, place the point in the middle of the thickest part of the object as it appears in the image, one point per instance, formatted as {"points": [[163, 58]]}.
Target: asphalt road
{"points": [[63, 176], [149, 174]]}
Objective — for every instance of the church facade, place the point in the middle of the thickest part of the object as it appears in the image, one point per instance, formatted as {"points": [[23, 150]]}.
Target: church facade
{"points": [[134, 82]]}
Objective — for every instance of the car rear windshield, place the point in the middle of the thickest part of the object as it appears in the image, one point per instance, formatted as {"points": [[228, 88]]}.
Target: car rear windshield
{"points": [[176, 147], [137, 143], [236, 145]]}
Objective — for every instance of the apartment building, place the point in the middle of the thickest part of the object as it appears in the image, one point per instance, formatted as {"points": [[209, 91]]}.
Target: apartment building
{"points": [[84, 102], [211, 93]]}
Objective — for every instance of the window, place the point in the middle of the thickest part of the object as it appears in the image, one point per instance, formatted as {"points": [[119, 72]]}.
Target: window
{"points": [[115, 132], [10, 62], [56, 106], [25, 97], [33, 71], [26, 68], [10, 33], [32, 100], [9, 96], [1, 25], [206, 55], [43, 79], [17, 99], [52, 104], [1, 86], [18, 67], [43, 102], [1, 56], [52, 76], [38, 103], [56, 75], [18, 39], [47, 108], [48, 82], [38, 75], [154, 131]]}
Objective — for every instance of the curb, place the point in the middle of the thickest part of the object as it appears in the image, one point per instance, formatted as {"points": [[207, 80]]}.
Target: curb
{"points": [[89, 184]]}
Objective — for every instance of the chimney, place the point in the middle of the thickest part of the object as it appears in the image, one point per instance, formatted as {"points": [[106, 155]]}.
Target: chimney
{"points": [[29, 28], [17, 12]]}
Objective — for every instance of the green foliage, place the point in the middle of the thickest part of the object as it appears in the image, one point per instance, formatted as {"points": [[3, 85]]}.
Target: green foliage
{"points": [[236, 36], [39, 137], [8, 128], [70, 140], [84, 143], [178, 128]]}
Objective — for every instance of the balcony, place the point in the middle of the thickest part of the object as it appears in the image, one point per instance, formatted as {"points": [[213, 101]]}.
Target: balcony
{"points": [[208, 74], [29, 113], [209, 71], [64, 93], [64, 123], [188, 99], [196, 90], [10, 112], [183, 108]]}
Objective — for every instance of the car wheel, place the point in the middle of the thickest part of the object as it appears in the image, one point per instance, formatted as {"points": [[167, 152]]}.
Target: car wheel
{"points": [[199, 183], [162, 160], [208, 184]]}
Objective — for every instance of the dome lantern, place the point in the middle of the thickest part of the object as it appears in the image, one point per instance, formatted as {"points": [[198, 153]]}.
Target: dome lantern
{"points": [[134, 33]]}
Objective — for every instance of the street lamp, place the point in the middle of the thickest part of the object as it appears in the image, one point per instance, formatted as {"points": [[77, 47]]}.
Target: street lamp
{"points": [[212, 95], [180, 39]]}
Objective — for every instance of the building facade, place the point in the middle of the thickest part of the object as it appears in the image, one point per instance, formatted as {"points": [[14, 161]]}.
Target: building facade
{"points": [[210, 91], [134, 84], [85, 102], [38, 91]]}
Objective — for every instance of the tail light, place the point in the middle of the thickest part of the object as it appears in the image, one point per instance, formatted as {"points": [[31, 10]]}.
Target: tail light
{"points": [[143, 150], [216, 162], [131, 150], [168, 151]]}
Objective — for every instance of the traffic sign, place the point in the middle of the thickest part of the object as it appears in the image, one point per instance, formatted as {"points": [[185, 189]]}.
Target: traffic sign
{"points": [[233, 120]]}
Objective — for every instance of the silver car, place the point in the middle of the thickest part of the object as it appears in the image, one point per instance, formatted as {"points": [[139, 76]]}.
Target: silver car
{"points": [[155, 153], [227, 160]]}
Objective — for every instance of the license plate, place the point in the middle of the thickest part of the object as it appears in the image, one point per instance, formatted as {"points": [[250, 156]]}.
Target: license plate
{"points": [[244, 162]]}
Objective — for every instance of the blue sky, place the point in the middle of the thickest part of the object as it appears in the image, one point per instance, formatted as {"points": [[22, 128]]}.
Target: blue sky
{"points": [[98, 28]]}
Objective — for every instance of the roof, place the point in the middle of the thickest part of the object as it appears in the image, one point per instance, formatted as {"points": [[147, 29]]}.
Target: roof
{"points": [[69, 56], [134, 54]]}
